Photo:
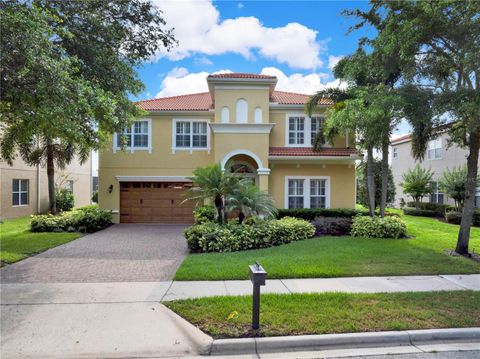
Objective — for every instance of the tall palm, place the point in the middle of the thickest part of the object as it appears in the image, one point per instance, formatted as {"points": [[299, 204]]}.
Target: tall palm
{"points": [[212, 183], [249, 200]]}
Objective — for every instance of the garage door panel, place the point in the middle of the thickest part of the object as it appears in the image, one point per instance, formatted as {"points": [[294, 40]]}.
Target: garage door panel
{"points": [[148, 202]]}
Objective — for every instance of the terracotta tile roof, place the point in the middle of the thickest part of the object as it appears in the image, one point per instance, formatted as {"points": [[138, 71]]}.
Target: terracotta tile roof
{"points": [[401, 138], [203, 101], [238, 75], [194, 102], [308, 151], [292, 98]]}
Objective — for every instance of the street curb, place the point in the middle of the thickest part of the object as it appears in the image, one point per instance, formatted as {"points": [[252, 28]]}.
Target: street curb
{"points": [[201, 342], [343, 341]]}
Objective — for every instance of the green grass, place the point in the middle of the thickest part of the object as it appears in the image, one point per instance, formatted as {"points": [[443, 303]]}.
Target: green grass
{"points": [[297, 314], [17, 242], [344, 256]]}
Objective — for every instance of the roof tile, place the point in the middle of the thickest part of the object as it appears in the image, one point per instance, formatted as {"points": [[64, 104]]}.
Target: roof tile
{"points": [[238, 75], [308, 151]]}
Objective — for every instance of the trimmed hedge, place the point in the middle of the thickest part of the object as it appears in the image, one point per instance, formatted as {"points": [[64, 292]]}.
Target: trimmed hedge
{"points": [[420, 212], [455, 217], [85, 219], [337, 226], [438, 208], [231, 237], [310, 214], [377, 227]]}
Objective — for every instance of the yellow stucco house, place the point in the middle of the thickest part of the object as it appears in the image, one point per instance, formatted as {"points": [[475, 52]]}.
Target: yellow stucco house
{"points": [[241, 123]]}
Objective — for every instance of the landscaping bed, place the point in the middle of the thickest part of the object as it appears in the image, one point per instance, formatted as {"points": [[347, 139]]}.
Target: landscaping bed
{"points": [[18, 242], [344, 256], [298, 314]]}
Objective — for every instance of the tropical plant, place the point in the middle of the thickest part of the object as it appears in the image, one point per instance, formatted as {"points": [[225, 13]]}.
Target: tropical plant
{"points": [[453, 184], [437, 46], [249, 200], [65, 199], [67, 75], [362, 190], [214, 184], [416, 182]]}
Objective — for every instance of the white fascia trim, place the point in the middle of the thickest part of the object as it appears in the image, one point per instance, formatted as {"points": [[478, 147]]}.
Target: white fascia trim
{"points": [[306, 189], [315, 158], [152, 179], [189, 149], [263, 171], [132, 149], [241, 127]]}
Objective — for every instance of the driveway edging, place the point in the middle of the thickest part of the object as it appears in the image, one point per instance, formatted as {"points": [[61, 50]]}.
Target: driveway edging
{"points": [[343, 341]]}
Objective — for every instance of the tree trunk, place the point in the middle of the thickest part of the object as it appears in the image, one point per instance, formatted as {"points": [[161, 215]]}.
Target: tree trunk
{"points": [[219, 207], [51, 179], [370, 182], [241, 217], [383, 198], [470, 189]]}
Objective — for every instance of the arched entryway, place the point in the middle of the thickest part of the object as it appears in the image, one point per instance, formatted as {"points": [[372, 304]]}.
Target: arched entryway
{"points": [[243, 167], [247, 164]]}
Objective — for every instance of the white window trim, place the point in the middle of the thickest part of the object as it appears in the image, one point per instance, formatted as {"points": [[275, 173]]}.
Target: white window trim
{"points": [[306, 189], [307, 129], [20, 192], [132, 149], [434, 149], [395, 152], [189, 149]]}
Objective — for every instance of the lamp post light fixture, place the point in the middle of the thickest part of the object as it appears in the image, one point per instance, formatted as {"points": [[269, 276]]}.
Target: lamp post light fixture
{"points": [[258, 276]]}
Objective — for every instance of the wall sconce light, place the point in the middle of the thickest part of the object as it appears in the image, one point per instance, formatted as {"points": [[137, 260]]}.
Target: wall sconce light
{"points": [[110, 188]]}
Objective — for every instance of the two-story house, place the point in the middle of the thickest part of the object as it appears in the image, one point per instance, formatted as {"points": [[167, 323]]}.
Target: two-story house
{"points": [[440, 156], [241, 123]]}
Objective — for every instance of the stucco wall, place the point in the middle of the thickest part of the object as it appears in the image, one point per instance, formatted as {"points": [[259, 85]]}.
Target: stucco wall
{"points": [[255, 98], [342, 181]]}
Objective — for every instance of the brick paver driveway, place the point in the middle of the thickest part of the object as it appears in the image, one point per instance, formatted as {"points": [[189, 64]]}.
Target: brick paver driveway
{"points": [[121, 253]]}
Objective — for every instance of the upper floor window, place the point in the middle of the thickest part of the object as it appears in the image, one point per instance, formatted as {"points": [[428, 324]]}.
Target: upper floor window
{"points": [[302, 130], [135, 137], [434, 151], [190, 135], [69, 185], [225, 115], [242, 111], [395, 152], [20, 192], [437, 196], [258, 115], [296, 130]]}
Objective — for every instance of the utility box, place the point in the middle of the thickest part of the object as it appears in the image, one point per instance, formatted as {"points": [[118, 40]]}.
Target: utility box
{"points": [[257, 274]]}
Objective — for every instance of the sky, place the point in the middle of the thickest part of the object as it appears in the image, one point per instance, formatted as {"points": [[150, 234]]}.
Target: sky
{"points": [[297, 41]]}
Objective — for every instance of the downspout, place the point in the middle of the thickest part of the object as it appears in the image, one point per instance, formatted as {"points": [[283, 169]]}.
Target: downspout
{"points": [[38, 188]]}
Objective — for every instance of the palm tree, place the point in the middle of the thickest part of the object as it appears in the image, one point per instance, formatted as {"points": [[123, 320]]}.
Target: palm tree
{"points": [[212, 183], [249, 200]]}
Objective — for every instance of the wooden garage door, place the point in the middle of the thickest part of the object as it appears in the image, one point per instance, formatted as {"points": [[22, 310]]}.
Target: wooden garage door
{"points": [[155, 202]]}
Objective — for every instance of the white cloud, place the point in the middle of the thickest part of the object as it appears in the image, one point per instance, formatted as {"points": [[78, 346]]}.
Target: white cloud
{"points": [[180, 82], [199, 29], [333, 60], [240, 5]]}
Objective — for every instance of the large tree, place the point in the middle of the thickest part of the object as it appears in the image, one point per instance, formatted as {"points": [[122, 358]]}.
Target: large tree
{"points": [[67, 68], [437, 44]]}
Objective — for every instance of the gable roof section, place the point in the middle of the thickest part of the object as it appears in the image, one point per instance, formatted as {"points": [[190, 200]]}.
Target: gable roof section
{"points": [[203, 101], [404, 138]]}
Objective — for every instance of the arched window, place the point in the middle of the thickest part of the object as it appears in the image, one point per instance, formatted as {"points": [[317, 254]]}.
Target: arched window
{"points": [[242, 111], [225, 116], [258, 115]]}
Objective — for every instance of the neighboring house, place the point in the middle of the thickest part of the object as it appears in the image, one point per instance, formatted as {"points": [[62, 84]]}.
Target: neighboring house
{"points": [[438, 158], [241, 123], [24, 189]]}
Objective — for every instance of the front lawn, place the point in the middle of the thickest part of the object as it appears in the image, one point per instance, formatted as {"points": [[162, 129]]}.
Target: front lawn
{"points": [[297, 314], [17, 242], [344, 256]]}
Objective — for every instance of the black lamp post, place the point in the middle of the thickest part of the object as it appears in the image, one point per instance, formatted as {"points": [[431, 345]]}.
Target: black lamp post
{"points": [[257, 276]]}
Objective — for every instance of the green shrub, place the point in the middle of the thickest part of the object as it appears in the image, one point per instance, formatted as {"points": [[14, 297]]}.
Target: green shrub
{"points": [[204, 214], [420, 212], [439, 208], [230, 237], [455, 217], [85, 219], [310, 214], [65, 200], [337, 226], [95, 197], [377, 227]]}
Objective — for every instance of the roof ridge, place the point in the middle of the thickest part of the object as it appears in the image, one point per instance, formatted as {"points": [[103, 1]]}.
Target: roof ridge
{"points": [[177, 96]]}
